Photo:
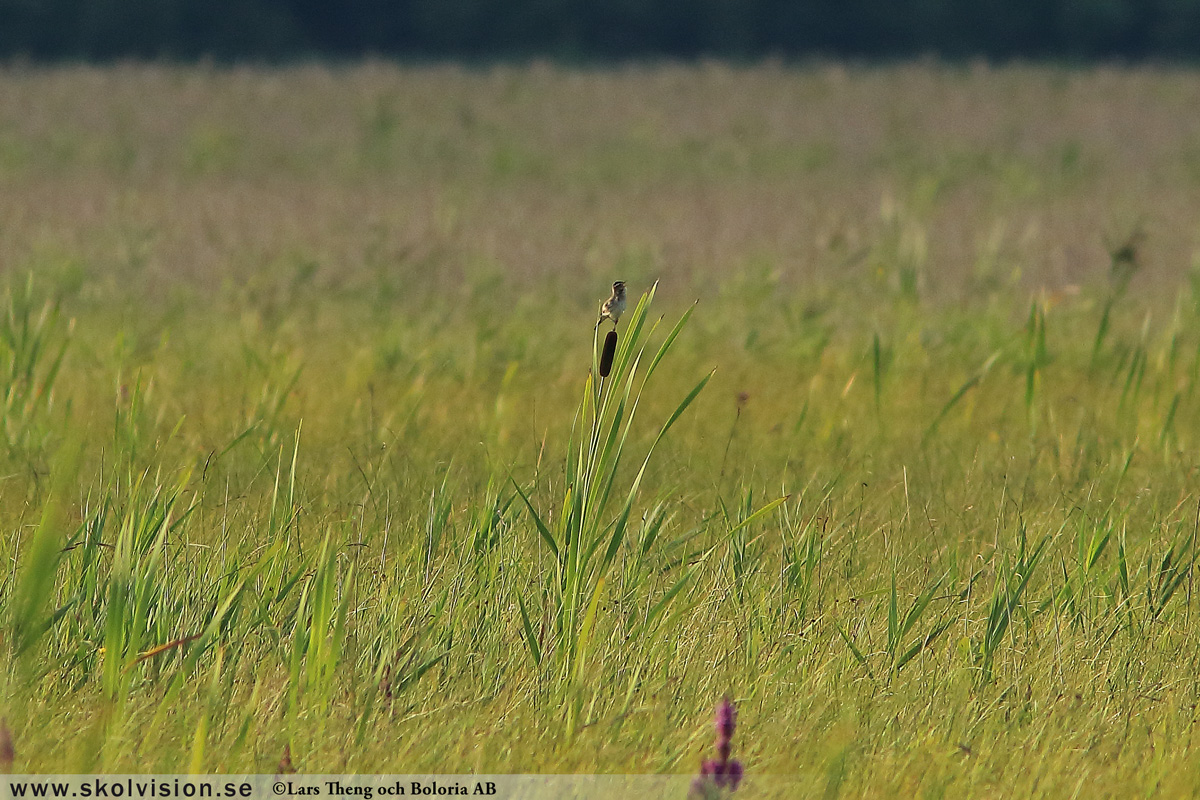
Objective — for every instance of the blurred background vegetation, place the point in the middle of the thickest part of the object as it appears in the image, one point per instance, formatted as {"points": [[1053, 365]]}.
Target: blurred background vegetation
{"points": [[571, 29]]}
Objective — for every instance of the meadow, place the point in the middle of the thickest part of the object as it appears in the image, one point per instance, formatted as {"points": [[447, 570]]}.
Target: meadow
{"points": [[302, 445]]}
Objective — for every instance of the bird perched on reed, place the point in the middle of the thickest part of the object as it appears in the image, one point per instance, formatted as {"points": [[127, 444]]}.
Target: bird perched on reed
{"points": [[614, 306]]}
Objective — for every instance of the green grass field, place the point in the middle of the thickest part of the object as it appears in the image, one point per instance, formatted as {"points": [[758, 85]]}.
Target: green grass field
{"points": [[300, 446]]}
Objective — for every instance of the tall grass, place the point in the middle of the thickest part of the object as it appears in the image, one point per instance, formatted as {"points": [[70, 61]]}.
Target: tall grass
{"points": [[316, 472], [587, 538]]}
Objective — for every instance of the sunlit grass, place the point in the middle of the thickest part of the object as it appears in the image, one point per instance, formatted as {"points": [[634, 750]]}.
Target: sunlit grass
{"points": [[934, 537]]}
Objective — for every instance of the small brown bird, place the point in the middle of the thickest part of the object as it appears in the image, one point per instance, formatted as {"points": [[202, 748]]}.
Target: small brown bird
{"points": [[614, 306]]}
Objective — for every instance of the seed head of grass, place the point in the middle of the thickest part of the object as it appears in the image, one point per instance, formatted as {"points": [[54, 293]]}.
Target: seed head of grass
{"points": [[606, 356]]}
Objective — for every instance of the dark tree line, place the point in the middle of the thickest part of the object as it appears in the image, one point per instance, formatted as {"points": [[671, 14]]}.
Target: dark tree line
{"points": [[585, 29]]}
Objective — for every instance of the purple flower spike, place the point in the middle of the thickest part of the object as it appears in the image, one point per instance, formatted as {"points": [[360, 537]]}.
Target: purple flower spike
{"points": [[718, 774], [726, 719], [734, 774]]}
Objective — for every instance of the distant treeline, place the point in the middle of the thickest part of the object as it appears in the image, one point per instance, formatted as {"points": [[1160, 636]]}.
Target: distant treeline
{"points": [[587, 29]]}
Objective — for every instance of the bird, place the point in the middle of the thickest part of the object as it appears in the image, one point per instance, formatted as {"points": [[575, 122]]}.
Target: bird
{"points": [[614, 306]]}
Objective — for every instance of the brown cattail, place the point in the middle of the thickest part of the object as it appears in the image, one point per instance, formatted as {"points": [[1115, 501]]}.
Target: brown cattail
{"points": [[7, 753], [606, 355]]}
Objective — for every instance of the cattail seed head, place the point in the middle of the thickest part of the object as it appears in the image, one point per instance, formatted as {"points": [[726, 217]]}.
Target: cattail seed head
{"points": [[606, 355]]}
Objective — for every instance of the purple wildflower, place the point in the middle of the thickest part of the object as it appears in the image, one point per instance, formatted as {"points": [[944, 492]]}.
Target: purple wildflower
{"points": [[719, 773], [726, 720]]}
